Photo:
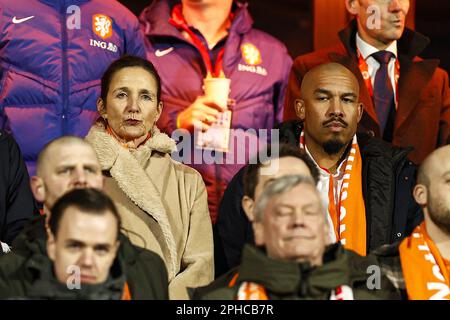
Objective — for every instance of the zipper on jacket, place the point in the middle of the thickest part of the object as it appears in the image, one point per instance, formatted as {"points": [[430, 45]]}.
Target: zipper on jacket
{"points": [[65, 71], [399, 168]]}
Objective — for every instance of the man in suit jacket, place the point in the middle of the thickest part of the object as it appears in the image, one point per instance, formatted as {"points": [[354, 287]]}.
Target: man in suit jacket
{"points": [[419, 114]]}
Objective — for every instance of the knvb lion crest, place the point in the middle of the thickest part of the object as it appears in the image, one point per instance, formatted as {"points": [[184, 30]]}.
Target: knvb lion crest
{"points": [[251, 54], [102, 26]]}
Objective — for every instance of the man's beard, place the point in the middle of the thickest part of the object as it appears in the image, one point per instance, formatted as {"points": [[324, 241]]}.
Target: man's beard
{"points": [[333, 146], [439, 213]]}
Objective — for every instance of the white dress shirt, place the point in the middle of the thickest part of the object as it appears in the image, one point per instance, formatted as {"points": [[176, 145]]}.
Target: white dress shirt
{"points": [[323, 186], [367, 50]]}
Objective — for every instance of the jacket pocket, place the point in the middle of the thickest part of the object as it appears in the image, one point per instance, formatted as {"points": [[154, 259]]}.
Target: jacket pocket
{"points": [[83, 98]]}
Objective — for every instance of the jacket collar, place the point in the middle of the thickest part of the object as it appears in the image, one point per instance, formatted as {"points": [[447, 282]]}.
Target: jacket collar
{"points": [[375, 147], [44, 284], [411, 43], [101, 140], [289, 278], [127, 168], [291, 130], [156, 19], [33, 237]]}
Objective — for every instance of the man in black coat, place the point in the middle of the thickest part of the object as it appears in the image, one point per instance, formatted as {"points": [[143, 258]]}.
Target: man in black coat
{"points": [[83, 260], [17, 204], [65, 164], [329, 113]]}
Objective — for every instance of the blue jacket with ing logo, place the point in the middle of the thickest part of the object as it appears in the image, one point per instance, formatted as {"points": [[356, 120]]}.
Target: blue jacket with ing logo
{"points": [[52, 56]]}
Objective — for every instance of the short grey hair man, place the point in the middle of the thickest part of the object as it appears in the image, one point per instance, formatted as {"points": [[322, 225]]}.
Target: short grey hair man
{"points": [[290, 220], [279, 186]]}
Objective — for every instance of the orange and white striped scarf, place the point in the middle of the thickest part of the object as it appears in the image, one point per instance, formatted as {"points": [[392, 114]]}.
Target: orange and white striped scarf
{"points": [[249, 290], [348, 213], [254, 291], [424, 270]]}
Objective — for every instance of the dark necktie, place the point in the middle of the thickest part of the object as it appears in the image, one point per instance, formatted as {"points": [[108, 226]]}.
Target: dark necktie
{"points": [[383, 93]]}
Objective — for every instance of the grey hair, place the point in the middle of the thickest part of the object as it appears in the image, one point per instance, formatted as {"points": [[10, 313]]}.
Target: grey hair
{"points": [[277, 187]]}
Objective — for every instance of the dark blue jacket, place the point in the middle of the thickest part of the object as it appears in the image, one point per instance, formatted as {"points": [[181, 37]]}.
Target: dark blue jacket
{"points": [[388, 180], [50, 67]]}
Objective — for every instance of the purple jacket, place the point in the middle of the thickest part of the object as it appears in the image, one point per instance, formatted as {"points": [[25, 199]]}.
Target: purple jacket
{"points": [[258, 89], [50, 69]]}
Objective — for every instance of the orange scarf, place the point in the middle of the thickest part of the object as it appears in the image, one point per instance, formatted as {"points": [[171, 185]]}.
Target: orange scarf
{"points": [[249, 290], [254, 291], [126, 295], [424, 270], [348, 213]]}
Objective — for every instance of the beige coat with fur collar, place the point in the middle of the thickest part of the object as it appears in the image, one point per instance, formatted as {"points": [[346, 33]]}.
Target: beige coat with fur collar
{"points": [[163, 206]]}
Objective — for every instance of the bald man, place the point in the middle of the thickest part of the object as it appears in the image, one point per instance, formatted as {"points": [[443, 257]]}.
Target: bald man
{"points": [[367, 184], [420, 264], [65, 164], [406, 98]]}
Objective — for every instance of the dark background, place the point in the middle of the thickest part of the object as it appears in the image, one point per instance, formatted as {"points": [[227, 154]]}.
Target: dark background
{"points": [[291, 21], [433, 20]]}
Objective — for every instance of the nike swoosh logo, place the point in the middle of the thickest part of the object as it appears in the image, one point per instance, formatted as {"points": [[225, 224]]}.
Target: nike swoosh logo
{"points": [[15, 20], [160, 53]]}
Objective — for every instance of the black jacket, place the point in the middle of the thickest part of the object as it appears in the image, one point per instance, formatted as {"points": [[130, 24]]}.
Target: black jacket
{"points": [[388, 181], [17, 204], [40, 283], [25, 267]]}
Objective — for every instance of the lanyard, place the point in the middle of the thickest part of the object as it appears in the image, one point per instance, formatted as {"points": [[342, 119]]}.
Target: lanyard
{"points": [[179, 22], [364, 68]]}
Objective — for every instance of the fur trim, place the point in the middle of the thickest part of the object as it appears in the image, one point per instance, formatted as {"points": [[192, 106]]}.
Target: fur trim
{"points": [[101, 140], [132, 178], [161, 142]]}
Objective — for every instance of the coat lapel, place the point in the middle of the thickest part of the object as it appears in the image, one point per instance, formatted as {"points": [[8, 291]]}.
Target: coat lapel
{"points": [[414, 76], [347, 36]]}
